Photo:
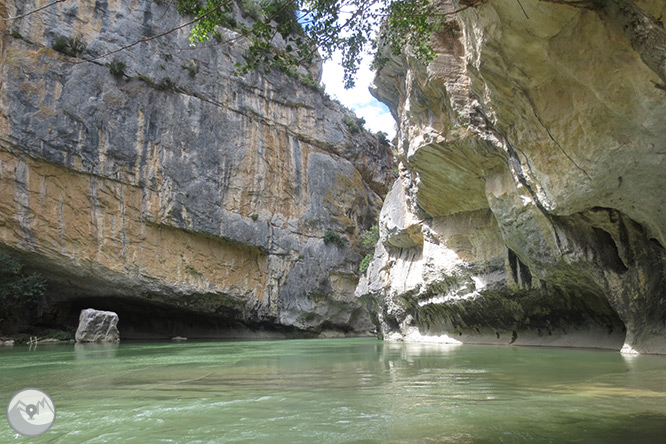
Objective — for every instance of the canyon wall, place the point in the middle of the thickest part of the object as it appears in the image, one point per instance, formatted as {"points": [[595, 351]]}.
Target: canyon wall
{"points": [[188, 199], [530, 207]]}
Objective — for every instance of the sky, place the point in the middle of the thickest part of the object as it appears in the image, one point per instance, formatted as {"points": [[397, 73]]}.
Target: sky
{"points": [[377, 116]]}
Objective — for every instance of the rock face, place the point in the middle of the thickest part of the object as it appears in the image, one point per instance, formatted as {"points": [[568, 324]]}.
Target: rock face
{"points": [[97, 326], [189, 200], [530, 208]]}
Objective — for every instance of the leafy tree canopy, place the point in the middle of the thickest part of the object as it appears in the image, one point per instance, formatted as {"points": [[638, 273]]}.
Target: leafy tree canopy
{"points": [[353, 27], [19, 292]]}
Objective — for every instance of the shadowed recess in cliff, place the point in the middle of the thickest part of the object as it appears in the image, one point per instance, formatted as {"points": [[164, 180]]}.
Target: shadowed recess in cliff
{"points": [[535, 313], [520, 272], [144, 319]]}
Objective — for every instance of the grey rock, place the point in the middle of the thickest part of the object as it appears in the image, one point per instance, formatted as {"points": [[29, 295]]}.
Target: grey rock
{"points": [[97, 326], [530, 205], [196, 200]]}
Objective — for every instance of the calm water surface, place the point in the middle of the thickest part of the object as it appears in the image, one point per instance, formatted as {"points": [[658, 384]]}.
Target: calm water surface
{"points": [[357, 391]]}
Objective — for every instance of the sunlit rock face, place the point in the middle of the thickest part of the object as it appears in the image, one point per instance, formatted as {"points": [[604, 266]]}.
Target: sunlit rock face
{"points": [[530, 208], [189, 200]]}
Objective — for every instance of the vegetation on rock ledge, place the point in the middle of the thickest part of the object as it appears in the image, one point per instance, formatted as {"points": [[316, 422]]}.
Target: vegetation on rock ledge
{"points": [[117, 69], [291, 33], [333, 237], [72, 47], [369, 239]]}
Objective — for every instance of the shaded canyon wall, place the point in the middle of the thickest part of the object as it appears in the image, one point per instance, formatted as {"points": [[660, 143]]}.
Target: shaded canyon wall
{"points": [[190, 200]]}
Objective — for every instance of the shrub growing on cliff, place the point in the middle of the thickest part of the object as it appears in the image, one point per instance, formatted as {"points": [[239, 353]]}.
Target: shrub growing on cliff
{"points": [[369, 239], [117, 69], [355, 125], [365, 263], [310, 81], [19, 292], [192, 68], [166, 84], [72, 47], [333, 237], [382, 138]]}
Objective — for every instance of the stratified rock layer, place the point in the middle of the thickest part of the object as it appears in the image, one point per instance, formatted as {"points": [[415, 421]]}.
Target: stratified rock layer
{"points": [[530, 208], [188, 199]]}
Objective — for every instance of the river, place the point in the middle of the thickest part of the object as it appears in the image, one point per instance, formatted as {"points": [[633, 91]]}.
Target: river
{"points": [[360, 391]]}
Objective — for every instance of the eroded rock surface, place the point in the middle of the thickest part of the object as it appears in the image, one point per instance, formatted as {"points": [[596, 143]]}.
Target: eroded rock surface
{"points": [[530, 208], [177, 188], [97, 326]]}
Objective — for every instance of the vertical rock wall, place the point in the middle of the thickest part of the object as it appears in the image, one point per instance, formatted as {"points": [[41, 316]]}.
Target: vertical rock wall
{"points": [[530, 208], [177, 190]]}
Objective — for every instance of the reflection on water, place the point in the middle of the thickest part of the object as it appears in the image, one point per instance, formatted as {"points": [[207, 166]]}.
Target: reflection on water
{"points": [[341, 391], [93, 350]]}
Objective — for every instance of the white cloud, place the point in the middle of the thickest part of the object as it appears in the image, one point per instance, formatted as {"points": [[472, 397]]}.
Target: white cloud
{"points": [[377, 116]]}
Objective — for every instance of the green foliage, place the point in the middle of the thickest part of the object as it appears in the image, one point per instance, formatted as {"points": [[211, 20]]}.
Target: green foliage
{"points": [[254, 217], [250, 8], [365, 263], [369, 238], [190, 7], [355, 124], [310, 81], [283, 14], [16, 34], [213, 13], [333, 237], [599, 4], [19, 292], [226, 22], [409, 23], [60, 335], [23, 339], [49, 333], [166, 84], [167, 56], [146, 79], [117, 69], [309, 27], [72, 47], [306, 79], [192, 68], [382, 138], [60, 44]]}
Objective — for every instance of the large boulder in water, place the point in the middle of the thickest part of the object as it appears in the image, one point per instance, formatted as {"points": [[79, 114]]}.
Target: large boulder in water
{"points": [[97, 326]]}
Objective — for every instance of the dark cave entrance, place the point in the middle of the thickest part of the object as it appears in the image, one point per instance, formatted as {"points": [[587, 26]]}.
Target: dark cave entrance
{"points": [[142, 320]]}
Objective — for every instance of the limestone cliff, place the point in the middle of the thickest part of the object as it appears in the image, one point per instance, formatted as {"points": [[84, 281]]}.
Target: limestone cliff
{"points": [[187, 199], [530, 208]]}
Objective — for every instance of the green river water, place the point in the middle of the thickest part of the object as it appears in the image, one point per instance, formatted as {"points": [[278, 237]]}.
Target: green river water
{"points": [[338, 391]]}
